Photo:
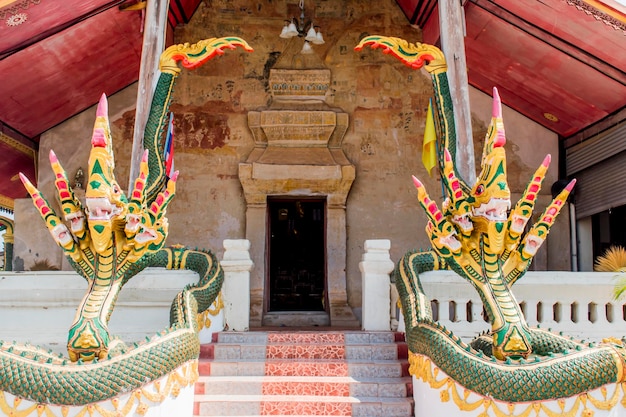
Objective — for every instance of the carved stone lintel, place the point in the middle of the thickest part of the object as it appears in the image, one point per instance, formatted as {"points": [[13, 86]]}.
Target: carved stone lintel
{"points": [[298, 153]]}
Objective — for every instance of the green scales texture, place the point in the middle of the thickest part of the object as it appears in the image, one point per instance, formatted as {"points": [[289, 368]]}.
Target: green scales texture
{"points": [[34, 374], [559, 366], [75, 384]]}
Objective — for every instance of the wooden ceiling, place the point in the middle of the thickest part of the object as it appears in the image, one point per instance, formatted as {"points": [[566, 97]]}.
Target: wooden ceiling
{"points": [[562, 63]]}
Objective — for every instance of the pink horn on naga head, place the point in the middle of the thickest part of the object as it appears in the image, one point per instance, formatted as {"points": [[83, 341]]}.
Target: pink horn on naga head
{"points": [[496, 114], [99, 136]]}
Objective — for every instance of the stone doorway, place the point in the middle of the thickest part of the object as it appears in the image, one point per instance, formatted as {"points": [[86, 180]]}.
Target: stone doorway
{"points": [[296, 272], [289, 169], [297, 155]]}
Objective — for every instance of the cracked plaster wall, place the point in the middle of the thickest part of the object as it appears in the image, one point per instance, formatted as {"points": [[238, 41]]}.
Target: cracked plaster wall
{"points": [[386, 101]]}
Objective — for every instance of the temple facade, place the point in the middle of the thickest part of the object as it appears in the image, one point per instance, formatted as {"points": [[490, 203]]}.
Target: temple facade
{"points": [[305, 150]]}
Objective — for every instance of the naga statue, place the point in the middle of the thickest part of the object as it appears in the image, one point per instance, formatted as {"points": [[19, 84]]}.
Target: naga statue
{"points": [[479, 236], [108, 240]]}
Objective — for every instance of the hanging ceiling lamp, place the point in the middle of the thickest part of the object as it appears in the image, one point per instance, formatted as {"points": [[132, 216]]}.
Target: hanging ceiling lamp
{"points": [[298, 27]]}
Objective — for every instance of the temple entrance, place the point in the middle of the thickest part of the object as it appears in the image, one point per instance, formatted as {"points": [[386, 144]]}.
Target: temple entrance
{"points": [[296, 255], [298, 279]]}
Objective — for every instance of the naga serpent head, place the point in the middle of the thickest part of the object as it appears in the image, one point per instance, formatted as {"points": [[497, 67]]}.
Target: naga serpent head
{"points": [[109, 233], [480, 218], [483, 240], [490, 197], [108, 220], [106, 235], [106, 204]]}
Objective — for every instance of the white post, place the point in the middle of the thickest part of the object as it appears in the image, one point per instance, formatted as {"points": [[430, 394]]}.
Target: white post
{"points": [[375, 267], [236, 288]]}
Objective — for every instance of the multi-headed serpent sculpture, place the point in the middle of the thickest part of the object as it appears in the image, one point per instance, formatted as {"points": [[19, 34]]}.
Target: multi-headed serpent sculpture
{"points": [[109, 240], [479, 236]]}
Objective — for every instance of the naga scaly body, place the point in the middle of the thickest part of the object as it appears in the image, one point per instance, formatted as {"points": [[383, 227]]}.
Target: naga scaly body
{"points": [[109, 240], [479, 236]]}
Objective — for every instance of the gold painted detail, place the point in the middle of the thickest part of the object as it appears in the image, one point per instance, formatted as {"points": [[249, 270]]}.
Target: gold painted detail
{"points": [[17, 145], [86, 339], [204, 321], [421, 367], [551, 117], [516, 342], [139, 402], [7, 202]]}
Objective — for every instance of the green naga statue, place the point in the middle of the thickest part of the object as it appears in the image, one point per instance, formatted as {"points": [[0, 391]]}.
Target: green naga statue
{"points": [[108, 240], [477, 234]]}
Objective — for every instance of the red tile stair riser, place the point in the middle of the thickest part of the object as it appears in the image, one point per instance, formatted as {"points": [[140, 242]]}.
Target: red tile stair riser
{"points": [[204, 368], [308, 338], [199, 388], [269, 408], [305, 351], [306, 346], [295, 354], [326, 346], [332, 389]]}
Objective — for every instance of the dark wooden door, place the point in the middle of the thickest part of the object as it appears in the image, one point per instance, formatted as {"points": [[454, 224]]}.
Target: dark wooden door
{"points": [[297, 255]]}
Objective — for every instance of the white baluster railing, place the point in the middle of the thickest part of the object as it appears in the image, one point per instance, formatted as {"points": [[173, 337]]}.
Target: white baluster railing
{"points": [[579, 304]]}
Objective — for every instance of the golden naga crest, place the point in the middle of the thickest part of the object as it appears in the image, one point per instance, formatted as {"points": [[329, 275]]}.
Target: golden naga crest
{"points": [[108, 220], [480, 221], [107, 234]]}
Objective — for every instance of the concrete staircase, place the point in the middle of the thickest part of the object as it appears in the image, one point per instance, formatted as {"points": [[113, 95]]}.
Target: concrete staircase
{"points": [[333, 373]]}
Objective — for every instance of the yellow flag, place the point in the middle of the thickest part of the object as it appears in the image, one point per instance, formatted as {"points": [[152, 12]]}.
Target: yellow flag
{"points": [[429, 148]]}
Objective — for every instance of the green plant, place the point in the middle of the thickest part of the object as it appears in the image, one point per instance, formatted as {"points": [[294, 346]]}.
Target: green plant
{"points": [[44, 265], [614, 260]]}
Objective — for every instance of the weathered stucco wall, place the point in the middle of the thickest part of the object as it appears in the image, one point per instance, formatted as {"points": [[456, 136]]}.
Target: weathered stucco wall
{"points": [[386, 101], [71, 142]]}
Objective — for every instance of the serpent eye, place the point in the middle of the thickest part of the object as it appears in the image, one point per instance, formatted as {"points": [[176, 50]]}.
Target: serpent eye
{"points": [[480, 189], [116, 188]]}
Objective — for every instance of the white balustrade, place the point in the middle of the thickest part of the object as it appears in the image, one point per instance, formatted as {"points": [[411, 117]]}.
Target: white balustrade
{"points": [[579, 304], [39, 306]]}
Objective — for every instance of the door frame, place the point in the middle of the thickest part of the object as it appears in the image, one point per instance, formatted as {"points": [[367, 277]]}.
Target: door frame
{"points": [[268, 224]]}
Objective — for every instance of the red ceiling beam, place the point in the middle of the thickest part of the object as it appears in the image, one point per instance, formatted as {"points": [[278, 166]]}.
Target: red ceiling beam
{"points": [[53, 31], [567, 48]]}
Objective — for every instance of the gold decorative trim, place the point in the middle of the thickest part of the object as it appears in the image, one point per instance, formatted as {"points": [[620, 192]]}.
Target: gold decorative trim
{"points": [[204, 321], [17, 145], [601, 12], [10, 226], [144, 398], [7, 202], [10, 7], [421, 367]]}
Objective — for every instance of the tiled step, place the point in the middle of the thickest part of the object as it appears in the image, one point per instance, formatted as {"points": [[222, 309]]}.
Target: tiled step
{"points": [[298, 385], [388, 351], [259, 405], [347, 337], [289, 367], [346, 373]]}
